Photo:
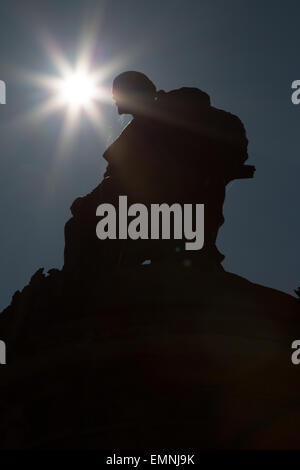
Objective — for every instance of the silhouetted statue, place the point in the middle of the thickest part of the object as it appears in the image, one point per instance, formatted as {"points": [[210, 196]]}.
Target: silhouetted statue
{"points": [[176, 149], [203, 357]]}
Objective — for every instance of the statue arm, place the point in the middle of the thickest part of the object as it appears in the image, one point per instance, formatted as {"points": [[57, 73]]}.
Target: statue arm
{"points": [[241, 172]]}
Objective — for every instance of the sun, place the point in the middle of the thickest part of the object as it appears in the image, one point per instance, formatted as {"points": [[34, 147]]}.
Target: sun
{"points": [[78, 89]]}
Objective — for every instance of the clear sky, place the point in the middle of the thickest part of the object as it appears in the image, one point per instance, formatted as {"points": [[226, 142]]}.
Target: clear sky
{"points": [[245, 54]]}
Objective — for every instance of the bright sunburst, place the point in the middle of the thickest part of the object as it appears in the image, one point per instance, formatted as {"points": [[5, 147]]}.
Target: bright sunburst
{"points": [[75, 90], [78, 90]]}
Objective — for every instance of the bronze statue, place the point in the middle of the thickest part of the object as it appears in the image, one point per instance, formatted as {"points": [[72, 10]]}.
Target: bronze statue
{"points": [[176, 149]]}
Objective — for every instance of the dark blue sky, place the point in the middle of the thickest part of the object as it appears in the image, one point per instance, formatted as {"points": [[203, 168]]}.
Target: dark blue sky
{"points": [[245, 54]]}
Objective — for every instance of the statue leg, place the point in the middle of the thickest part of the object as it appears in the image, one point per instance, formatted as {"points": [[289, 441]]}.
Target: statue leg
{"points": [[84, 254]]}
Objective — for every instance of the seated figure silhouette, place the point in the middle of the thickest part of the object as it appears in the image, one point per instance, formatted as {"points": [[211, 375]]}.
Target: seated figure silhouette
{"points": [[176, 149]]}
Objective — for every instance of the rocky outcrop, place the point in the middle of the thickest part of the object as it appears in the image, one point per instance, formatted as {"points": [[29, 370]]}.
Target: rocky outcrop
{"points": [[153, 356]]}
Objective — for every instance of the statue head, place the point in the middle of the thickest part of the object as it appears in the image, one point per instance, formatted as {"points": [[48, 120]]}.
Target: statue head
{"points": [[133, 93]]}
